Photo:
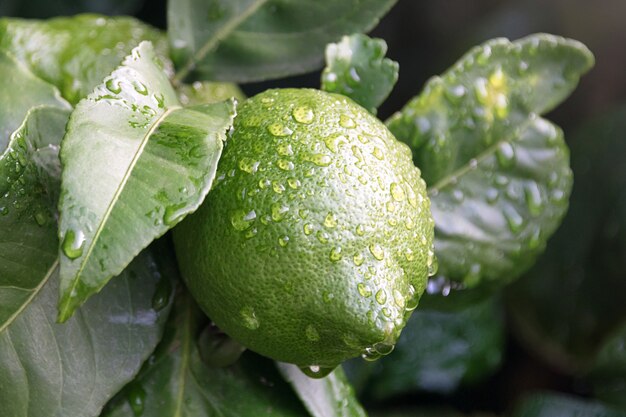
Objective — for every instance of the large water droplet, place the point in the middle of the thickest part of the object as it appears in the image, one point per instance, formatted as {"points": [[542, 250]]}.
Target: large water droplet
{"points": [[242, 220], [136, 397], [303, 114], [363, 289], [278, 130], [248, 165], [397, 193], [162, 294], [285, 165], [377, 251], [330, 221], [315, 371], [278, 211], [73, 243], [532, 195], [347, 122], [335, 254], [513, 219], [381, 297], [320, 159], [505, 154]]}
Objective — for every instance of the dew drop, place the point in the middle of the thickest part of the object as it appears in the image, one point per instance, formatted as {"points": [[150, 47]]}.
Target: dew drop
{"points": [[505, 154], [73, 243], [431, 263], [242, 220], [162, 294], [317, 372], [322, 237], [320, 159], [360, 231], [248, 165], [136, 397], [335, 254], [285, 165], [303, 114], [381, 297], [397, 193], [532, 195], [383, 348], [358, 259], [370, 355], [278, 211], [513, 219], [293, 183], [307, 228], [278, 130], [113, 86], [330, 221], [283, 241], [363, 289], [377, 251], [347, 122]]}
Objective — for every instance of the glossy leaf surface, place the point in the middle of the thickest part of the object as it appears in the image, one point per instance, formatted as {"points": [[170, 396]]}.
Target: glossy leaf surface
{"points": [[72, 369], [135, 164], [28, 238], [75, 53], [439, 351], [252, 40], [498, 173], [356, 67], [331, 396], [23, 90], [552, 405], [176, 382]]}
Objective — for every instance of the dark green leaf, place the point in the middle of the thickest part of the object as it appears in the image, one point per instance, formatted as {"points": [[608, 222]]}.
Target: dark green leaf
{"points": [[356, 67], [75, 53], [20, 90], [176, 382], [552, 405], [207, 92], [418, 412], [252, 40], [28, 238], [331, 396], [498, 173], [577, 288], [72, 369], [438, 351], [134, 164], [609, 370]]}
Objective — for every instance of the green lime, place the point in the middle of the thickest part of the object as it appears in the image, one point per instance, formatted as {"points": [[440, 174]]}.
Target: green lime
{"points": [[315, 243]]}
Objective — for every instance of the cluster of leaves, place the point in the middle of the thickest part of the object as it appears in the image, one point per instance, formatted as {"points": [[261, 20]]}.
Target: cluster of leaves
{"points": [[105, 147]]}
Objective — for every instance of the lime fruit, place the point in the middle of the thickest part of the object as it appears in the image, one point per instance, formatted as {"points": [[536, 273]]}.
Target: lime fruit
{"points": [[315, 242]]}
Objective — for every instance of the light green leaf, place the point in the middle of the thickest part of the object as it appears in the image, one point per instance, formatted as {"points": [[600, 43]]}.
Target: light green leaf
{"points": [[356, 67], [72, 369], [498, 174], [331, 396], [439, 351], [134, 164], [553, 405], [76, 53], [252, 40], [23, 90], [203, 92], [176, 382]]}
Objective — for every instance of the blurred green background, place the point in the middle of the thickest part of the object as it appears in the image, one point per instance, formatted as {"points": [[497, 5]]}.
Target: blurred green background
{"points": [[561, 327]]}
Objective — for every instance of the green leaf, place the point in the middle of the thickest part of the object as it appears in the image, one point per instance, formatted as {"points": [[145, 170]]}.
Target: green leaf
{"points": [[331, 396], [176, 382], [498, 174], [20, 88], [134, 164], [609, 369], [439, 351], [72, 369], [203, 92], [28, 238], [356, 67], [418, 412], [76, 53], [577, 287], [552, 405], [252, 40]]}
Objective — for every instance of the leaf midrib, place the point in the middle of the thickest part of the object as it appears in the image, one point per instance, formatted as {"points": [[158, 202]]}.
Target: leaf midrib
{"points": [[213, 41], [63, 309], [34, 293], [467, 167]]}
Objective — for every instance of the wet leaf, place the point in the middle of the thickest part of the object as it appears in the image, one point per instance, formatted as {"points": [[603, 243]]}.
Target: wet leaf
{"points": [[176, 382], [76, 53], [134, 165], [552, 405], [28, 191], [498, 173], [72, 369], [356, 67], [331, 396], [252, 40], [439, 351]]}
